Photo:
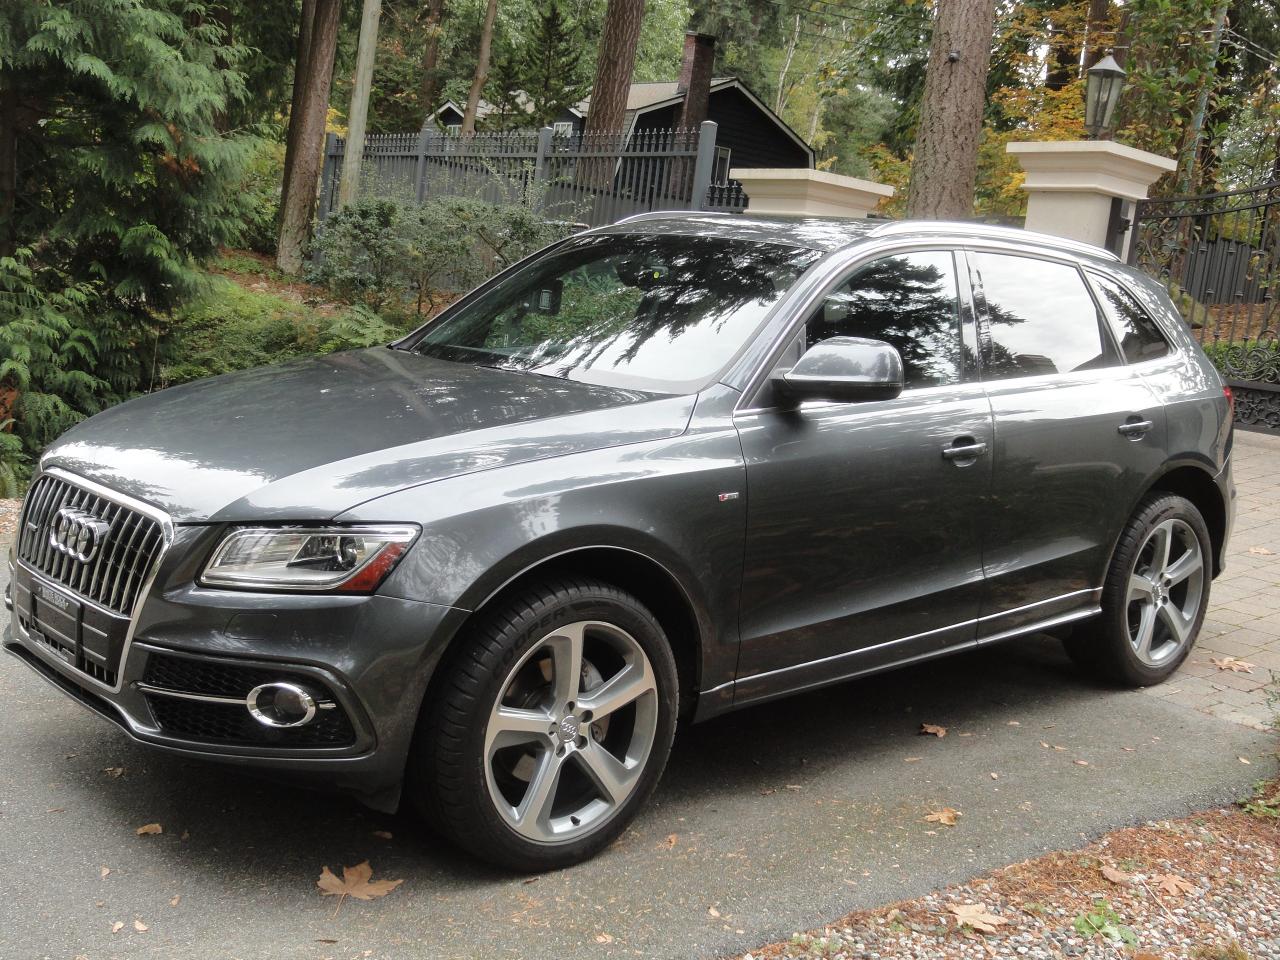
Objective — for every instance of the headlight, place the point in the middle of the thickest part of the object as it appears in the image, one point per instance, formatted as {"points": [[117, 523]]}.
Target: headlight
{"points": [[346, 559]]}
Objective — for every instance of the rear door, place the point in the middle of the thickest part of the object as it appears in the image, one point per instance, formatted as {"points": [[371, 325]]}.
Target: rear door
{"points": [[863, 535], [1078, 437]]}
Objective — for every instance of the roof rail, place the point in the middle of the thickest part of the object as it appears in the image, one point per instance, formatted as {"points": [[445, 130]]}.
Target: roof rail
{"points": [[665, 214], [1014, 234]]}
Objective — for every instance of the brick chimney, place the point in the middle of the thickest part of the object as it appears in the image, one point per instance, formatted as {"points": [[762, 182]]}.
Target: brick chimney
{"points": [[695, 78]]}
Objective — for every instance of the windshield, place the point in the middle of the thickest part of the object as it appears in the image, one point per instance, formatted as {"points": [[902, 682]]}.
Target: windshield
{"points": [[652, 312]]}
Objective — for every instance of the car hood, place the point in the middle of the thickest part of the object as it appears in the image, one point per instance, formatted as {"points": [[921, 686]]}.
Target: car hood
{"points": [[310, 439]]}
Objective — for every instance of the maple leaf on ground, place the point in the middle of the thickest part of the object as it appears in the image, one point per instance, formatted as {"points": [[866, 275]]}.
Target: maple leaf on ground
{"points": [[1173, 884], [975, 915], [355, 882], [669, 842], [933, 730], [1261, 552], [140, 926], [117, 926], [149, 829], [1234, 664], [1116, 876], [946, 816]]}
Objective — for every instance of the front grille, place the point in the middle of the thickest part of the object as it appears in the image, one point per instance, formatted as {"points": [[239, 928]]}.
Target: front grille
{"points": [[126, 553], [232, 723]]}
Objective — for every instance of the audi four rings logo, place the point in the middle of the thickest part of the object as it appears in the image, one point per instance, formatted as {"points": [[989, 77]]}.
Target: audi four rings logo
{"points": [[77, 534]]}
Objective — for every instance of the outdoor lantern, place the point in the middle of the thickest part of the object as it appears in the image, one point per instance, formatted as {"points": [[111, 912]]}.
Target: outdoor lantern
{"points": [[1102, 93]]}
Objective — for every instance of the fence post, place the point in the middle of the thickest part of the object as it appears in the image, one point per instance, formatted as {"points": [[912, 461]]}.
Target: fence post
{"points": [[540, 162], [328, 171], [703, 165], [420, 166]]}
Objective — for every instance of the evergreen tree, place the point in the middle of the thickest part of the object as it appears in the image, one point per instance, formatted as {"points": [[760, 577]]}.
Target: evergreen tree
{"points": [[117, 178], [555, 76]]}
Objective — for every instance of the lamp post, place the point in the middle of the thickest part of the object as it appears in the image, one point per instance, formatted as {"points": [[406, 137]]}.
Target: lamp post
{"points": [[1103, 85]]}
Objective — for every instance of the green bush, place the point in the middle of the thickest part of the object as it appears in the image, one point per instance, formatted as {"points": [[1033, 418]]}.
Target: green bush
{"points": [[396, 257], [260, 190], [1243, 356], [230, 327]]}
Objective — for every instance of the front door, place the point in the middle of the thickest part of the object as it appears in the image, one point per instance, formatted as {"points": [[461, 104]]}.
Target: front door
{"points": [[1079, 436], [863, 519]]}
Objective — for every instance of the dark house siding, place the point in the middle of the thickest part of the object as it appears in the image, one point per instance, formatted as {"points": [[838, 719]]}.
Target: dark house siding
{"points": [[744, 128]]}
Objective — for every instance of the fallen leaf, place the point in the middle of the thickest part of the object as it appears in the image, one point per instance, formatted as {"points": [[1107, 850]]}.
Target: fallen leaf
{"points": [[794, 786], [149, 829], [1128, 749], [965, 734], [117, 926], [1081, 763], [912, 759], [1116, 876], [104, 872], [1045, 744], [355, 882], [113, 772], [933, 730], [669, 842], [713, 912], [995, 776], [140, 926], [975, 915], [946, 816], [326, 940], [1234, 664], [1173, 884], [1013, 723], [1058, 748], [604, 938], [56, 810], [382, 834], [175, 899], [1261, 552], [767, 791], [1245, 760]]}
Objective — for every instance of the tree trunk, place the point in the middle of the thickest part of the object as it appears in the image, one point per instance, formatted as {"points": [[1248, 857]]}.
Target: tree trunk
{"points": [[361, 86], [431, 58], [1096, 43], [305, 24], [615, 66], [300, 187], [482, 69], [945, 167], [8, 166]]}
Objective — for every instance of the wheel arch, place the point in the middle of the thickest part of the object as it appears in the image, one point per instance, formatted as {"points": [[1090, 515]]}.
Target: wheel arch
{"points": [[651, 581], [1195, 484]]}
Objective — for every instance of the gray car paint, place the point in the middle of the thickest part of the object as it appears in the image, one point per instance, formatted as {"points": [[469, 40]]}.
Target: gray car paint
{"points": [[836, 532]]}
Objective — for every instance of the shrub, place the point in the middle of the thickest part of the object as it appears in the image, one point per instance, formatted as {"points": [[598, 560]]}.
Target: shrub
{"points": [[260, 191], [392, 256]]}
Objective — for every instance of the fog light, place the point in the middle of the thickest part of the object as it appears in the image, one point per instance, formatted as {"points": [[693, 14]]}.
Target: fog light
{"points": [[281, 705]]}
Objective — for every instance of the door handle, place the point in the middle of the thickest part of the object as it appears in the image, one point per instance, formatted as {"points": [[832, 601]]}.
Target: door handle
{"points": [[1134, 428], [964, 448]]}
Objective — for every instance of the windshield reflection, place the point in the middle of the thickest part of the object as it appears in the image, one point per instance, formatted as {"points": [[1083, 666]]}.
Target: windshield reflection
{"points": [[653, 312]]}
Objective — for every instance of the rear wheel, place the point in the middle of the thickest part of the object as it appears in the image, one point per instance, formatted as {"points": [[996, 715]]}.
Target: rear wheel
{"points": [[551, 728], [1154, 598]]}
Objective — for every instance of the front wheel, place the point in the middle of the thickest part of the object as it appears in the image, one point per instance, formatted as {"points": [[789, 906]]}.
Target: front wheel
{"points": [[551, 728], [1154, 598]]}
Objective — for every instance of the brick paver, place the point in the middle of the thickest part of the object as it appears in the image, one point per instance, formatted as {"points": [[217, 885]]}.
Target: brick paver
{"points": [[1244, 608]]}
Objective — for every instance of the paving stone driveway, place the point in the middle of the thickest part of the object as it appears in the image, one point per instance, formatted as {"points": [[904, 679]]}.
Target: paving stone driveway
{"points": [[1244, 612]]}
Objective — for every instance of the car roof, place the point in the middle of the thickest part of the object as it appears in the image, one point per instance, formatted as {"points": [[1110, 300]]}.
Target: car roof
{"points": [[828, 234]]}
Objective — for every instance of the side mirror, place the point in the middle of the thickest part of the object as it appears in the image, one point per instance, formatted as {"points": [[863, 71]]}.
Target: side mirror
{"points": [[844, 369]]}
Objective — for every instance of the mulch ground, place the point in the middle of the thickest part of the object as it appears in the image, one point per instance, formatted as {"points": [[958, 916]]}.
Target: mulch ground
{"points": [[8, 518], [1206, 887]]}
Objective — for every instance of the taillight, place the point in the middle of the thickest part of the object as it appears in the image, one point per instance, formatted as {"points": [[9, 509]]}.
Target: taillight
{"points": [[1231, 400]]}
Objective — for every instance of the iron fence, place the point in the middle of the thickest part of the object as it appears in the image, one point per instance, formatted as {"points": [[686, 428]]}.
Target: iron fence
{"points": [[1219, 256], [595, 179]]}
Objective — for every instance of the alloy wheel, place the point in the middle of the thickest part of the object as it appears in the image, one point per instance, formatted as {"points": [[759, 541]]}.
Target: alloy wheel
{"points": [[570, 733], [1165, 591]]}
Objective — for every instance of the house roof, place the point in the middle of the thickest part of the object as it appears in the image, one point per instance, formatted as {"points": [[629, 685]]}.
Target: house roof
{"points": [[647, 96]]}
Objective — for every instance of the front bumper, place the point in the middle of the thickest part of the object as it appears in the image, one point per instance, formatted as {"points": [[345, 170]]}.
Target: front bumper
{"points": [[191, 652]]}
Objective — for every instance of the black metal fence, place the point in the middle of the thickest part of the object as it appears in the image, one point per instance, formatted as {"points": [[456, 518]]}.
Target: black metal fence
{"points": [[586, 178], [1219, 256]]}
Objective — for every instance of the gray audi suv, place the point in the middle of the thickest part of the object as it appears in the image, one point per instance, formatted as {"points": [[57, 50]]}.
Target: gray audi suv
{"points": [[657, 471]]}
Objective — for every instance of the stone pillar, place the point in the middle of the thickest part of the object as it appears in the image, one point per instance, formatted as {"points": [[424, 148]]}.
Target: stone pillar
{"points": [[808, 192], [1086, 189]]}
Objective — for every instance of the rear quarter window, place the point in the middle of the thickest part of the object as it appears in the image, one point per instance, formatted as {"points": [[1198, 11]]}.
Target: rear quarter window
{"points": [[1138, 334]]}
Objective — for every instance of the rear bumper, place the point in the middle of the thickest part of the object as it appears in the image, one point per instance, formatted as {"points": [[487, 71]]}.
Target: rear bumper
{"points": [[1227, 487], [195, 653]]}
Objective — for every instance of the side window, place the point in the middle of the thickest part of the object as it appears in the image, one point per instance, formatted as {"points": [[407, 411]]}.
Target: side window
{"points": [[1138, 335], [909, 301], [1040, 318]]}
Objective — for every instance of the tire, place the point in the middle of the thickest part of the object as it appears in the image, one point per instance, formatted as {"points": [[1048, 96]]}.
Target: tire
{"points": [[532, 767], [1154, 597]]}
